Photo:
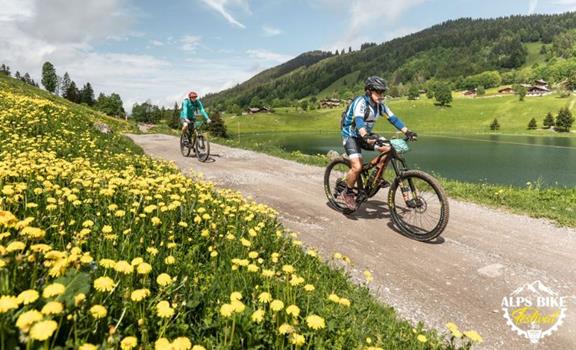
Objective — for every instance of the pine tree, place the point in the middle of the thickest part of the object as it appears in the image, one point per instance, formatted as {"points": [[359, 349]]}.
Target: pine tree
{"points": [[532, 125], [49, 78], [28, 80], [495, 125], [17, 75], [217, 126], [87, 95], [174, 121], [72, 93], [548, 121], [564, 120], [65, 84]]}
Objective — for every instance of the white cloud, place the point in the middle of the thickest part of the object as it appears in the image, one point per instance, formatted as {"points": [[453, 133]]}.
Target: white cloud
{"points": [[190, 42], [267, 56], [220, 7], [62, 21], [532, 4], [156, 43], [364, 13], [271, 31]]}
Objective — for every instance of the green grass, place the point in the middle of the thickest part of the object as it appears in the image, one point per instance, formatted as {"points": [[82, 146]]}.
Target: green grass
{"points": [[464, 116], [346, 81], [534, 55]]}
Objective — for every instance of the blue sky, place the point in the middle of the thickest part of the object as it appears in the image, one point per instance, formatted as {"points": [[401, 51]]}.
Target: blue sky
{"points": [[159, 50]]}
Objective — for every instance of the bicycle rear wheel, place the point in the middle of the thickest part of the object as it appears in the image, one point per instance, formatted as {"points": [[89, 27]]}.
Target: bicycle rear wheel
{"points": [[418, 205], [335, 185], [202, 147], [185, 146]]}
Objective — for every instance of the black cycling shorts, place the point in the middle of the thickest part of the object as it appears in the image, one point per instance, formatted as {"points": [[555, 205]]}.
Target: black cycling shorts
{"points": [[355, 145]]}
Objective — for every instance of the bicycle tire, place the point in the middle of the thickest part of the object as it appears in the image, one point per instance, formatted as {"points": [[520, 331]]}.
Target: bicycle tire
{"points": [[184, 148], [330, 183], [399, 209], [202, 147]]}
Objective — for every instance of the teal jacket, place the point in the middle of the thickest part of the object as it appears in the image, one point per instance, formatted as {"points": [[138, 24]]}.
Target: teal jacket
{"points": [[191, 108]]}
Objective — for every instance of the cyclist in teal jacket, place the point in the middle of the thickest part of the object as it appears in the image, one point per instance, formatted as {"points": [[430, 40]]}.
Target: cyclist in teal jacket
{"points": [[192, 106]]}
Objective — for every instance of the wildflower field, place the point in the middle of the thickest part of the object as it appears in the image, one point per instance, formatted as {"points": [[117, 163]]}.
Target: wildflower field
{"points": [[102, 247]]}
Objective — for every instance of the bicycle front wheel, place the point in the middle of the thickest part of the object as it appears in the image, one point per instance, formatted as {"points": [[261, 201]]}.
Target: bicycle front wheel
{"points": [[202, 147], [418, 205], [184, 145]]}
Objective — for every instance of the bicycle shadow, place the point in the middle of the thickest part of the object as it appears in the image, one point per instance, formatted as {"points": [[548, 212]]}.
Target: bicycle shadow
{"points": [[375, 209]]}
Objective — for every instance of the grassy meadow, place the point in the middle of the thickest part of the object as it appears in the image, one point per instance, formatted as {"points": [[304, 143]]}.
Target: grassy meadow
{"points": [[102, 247]]}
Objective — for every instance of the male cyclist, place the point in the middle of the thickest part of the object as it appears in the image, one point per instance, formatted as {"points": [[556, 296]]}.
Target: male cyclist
{"points": [[357, 127], [192, 106]]}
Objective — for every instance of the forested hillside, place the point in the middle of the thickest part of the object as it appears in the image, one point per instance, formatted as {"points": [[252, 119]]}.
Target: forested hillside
{"points": [[518, 48]]}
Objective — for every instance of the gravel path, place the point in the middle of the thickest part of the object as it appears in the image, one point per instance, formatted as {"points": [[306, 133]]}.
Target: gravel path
{"points": [[483, 256]]}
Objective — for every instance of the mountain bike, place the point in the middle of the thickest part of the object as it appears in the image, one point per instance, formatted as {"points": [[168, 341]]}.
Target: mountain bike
{"points": [[417, 202], [194, 141]]}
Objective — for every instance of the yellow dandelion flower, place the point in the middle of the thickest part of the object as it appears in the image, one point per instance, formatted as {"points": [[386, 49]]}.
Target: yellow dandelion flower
{"points": [[164, 310], [293, 310], [124, 267], [170, 260], [267, 273], [453, 328], [107, 229], [27, 319], [276, 305], [198, 347], [285, 328], [315, 322], [238, 306], [288, 269], [53, 290], [253, 255], [344, 302], [162, 344], [128, 343], [107, 263], [297, 339], [422, 338], [136, 261], [264, 297], [181, 343], [15, 246], [98, 311], [368, 276], [474, 336], [79, 298], [309, 288], [235, 296], [226, 310], [52, 308], [88, 346], [163, 279], [43, 330], [152, 251], [156, 221], [28, 296], [257, 316], [334, 298], [139, 294], [144, 268], [104, 284]]}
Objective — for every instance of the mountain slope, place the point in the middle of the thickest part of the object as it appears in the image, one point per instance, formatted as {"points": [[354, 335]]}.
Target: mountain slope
{"points": [[449, 51]]}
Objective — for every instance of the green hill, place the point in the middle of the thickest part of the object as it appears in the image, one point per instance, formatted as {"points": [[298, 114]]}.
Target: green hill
{"points": [[449, 51]]}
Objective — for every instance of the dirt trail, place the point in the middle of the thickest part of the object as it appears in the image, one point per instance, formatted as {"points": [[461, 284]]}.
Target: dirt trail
{"points": [[484, 255]]}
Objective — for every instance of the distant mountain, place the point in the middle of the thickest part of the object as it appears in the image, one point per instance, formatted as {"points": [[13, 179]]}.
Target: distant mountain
{"points": [[451, 51]]}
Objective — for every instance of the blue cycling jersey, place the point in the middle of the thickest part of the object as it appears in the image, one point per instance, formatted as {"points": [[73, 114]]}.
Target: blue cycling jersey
{"points": [[357, 111]]}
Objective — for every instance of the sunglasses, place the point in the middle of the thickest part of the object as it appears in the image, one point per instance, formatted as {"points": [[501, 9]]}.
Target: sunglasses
{"points": [[379, 92]]}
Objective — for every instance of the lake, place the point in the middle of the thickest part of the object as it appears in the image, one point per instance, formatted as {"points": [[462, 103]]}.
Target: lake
{"points": [[496, 159]]}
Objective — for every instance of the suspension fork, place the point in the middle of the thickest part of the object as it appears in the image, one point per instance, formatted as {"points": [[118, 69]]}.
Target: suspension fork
{"points": [[407, 187]]}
